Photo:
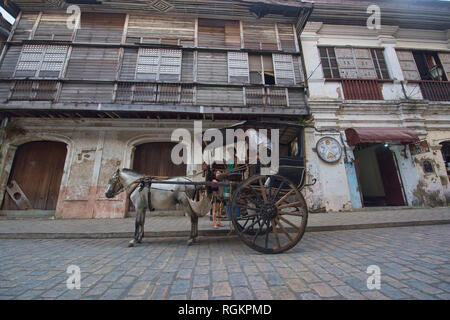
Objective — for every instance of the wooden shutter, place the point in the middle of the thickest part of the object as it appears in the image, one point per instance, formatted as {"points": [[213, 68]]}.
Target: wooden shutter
{"points": [[101, 28], [53, 27], [287, 37], [299, 77], [445, 61], [159, 64], [212, 67], [408, 65], [30, 60], [87, 92], [146, 29], [10, 61], [211, 33], [170, 65], [232, 34], [283, 68], [93, 63], [147, 64], [128, 69], [259, 35], [187, 66], [23, 29], [53, 61], [238, 67], [41, 61], [220, 96]]}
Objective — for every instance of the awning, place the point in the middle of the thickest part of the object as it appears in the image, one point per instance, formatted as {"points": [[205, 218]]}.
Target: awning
{"points": [[361, 135]]}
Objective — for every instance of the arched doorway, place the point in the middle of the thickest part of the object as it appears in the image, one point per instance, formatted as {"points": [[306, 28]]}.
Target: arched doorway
{"points": [[36, 175], [154, 159]]}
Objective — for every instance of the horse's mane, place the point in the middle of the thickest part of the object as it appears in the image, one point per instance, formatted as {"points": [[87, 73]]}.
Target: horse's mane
{"points": [[132, 172]]}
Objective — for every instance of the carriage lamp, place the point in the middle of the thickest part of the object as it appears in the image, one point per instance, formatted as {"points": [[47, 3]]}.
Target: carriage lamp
{"points": [[436, 72]]}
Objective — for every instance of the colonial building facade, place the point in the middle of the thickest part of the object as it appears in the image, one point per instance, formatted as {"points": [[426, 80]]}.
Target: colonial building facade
{"points": [[80, 99], [382, 92]]}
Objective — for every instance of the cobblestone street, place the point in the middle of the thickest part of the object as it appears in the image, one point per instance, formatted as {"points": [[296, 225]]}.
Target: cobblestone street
{"points": [[414, 263]]}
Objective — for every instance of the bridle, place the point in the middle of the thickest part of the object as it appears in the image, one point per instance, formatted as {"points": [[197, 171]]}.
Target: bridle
{"points": [[116, 181]]}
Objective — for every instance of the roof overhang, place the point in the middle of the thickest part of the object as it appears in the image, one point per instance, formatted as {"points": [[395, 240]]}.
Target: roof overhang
{"points": [[378, 135]]}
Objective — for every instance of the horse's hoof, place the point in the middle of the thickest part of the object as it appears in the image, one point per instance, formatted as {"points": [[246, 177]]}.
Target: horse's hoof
{"points": [[190, 242], [131, 244]]}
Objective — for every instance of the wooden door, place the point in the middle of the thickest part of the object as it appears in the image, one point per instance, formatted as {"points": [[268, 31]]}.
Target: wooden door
{"points": [[38, 168], [389, 176], [154, 159]]}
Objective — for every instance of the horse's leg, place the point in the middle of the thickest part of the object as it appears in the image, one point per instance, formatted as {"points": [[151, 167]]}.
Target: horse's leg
{"points": [[194, 221], [194, 228], [135, 198], [141, 226]]}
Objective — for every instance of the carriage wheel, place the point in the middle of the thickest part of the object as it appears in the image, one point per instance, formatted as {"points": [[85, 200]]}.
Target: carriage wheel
{"points": [[273, 213]]}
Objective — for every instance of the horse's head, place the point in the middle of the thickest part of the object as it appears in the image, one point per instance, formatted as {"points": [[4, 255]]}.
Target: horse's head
{"points": [[115, 185]]}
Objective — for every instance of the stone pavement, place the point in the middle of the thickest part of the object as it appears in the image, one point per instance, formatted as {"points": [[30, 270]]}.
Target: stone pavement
{"points": [[414, 263], [157, 226]]}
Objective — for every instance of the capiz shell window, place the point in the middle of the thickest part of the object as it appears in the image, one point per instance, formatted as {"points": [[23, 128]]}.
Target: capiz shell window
{"points": [[45, 61], [158, 64]]}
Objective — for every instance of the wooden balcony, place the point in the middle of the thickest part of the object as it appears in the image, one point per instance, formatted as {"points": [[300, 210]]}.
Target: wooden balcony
{"points": [[434, 90], [362, 89], [66, 96]]}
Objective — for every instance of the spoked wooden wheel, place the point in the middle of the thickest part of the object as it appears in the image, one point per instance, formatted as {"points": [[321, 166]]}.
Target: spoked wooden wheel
{"points": [[272, 213]]}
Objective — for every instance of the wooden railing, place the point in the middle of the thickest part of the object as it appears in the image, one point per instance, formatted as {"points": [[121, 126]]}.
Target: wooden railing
{"points": [[154, 93], [362, 89], [434, 90], [266, 96], [34, 90]]}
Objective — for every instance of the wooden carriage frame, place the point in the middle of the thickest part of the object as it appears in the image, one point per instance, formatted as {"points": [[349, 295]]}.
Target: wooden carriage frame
{"points": [[268, 212]]}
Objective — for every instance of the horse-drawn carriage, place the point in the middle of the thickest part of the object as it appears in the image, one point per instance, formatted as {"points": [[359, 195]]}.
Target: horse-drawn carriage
{"points": [[268, 211]]}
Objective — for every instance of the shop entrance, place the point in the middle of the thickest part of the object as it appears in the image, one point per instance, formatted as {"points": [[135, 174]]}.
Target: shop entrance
{"points": [[378, 176]]}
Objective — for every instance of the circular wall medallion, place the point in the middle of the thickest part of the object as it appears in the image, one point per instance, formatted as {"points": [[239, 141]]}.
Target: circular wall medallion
{"points": [[329, 149]]}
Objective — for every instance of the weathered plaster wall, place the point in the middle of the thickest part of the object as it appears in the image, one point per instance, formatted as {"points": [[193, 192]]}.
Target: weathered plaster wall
{"points": [[96, 148], [331, 192], [433, 188], [430, 120]]}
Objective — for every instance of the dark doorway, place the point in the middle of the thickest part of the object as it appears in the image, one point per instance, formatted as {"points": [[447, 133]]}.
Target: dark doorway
{"points": [[378, 176], [155, 159], [37, 169]]}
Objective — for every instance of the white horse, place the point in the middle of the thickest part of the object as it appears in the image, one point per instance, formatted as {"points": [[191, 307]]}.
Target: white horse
{"points": [[163, 196]]}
